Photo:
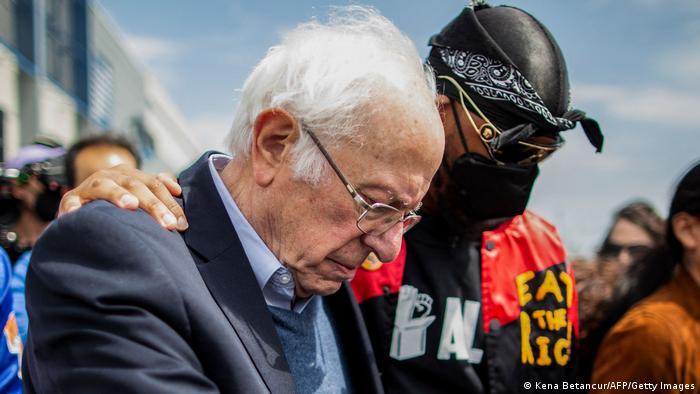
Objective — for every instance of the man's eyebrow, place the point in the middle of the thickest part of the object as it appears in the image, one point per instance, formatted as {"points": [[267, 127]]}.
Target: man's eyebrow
{"points": [[388, 193]]}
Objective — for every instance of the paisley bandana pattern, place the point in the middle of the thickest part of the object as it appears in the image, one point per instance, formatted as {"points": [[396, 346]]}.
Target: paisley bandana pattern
{"points": [[497, 81]]}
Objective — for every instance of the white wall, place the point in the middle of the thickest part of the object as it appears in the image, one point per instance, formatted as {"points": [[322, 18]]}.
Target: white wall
{"points": [[47, 109], [57, 112], [9, 100], [106, 41]]}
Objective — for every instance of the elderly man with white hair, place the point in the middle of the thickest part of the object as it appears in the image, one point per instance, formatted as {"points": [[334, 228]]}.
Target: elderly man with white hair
{"points": [[334, 145]]}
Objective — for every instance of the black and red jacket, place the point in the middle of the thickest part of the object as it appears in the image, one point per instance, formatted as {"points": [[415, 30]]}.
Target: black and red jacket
{"points": [[484, 313]]}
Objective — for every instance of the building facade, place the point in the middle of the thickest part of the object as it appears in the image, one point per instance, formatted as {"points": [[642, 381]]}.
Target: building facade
{"points": [[65, 73]]}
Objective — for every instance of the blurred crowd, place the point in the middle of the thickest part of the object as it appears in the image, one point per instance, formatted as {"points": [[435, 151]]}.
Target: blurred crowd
{"points": [[31, 187], [435, 313]]}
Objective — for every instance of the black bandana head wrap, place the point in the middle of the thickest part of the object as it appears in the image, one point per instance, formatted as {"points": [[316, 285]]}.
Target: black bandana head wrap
{"points": [[513, 71]]}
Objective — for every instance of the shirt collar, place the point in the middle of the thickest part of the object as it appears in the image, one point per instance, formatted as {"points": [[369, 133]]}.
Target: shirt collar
{"points": [[275, 281]]}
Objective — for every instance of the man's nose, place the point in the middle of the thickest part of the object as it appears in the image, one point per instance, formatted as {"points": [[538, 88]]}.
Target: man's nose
{"points": [[386, 246]]}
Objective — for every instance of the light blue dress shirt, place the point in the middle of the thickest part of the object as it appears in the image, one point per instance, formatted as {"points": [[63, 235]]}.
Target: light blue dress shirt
{"points": [[275, 280]]}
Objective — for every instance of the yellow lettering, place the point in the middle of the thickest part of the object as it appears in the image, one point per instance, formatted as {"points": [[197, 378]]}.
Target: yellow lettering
{"points": [[560, 319], [539, 315], [561, 351], [564, 277], [550, 321], [523, 289], [556, 319], [543, 359], [549, 285], [562, 345], [526, 355]]}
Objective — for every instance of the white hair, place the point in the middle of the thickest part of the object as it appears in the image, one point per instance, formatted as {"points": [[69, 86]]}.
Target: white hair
{"points": [[330, 76]]}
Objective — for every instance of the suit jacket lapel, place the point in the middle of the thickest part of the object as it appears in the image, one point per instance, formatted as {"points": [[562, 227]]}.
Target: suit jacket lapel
{"points": [[226, 271]]}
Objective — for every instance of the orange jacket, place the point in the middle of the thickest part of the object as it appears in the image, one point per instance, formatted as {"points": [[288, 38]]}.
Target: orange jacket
{"points": [[657, 341]]}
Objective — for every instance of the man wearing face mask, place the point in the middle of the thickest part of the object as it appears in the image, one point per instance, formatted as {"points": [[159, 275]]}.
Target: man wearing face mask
{"points": [[481, 298]]}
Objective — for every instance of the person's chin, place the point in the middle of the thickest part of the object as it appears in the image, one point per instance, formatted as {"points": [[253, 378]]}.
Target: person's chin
{"points": [[323, 287], [328, 278], [330, 288], [341, 271]]}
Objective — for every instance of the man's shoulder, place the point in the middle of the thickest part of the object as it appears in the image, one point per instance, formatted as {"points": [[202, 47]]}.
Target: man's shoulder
{"points": [[107, 216], [103, 223], [116, 252], [530, 231], [104, 232]]}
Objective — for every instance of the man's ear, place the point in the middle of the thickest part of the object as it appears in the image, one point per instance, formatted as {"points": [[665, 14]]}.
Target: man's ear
{"points": [[685, 227], [274, 134]]}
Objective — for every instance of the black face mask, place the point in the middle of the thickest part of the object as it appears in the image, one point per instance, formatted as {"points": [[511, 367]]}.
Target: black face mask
{"points": [[486, 190]]}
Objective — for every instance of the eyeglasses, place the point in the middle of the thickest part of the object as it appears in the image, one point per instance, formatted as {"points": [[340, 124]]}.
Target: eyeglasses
{"points": [[376, 218], [611, 249], [524, 152]]}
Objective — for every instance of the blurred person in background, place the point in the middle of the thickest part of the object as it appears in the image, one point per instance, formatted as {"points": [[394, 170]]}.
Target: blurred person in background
{"points": [[596, 280], [33, 185], [86, 156], [34, 182], [480, 298], [658, 339], [99, 152], [635, 230]]}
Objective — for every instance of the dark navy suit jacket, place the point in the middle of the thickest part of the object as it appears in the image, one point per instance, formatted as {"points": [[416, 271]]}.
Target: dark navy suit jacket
{"points": [[117, 304]]}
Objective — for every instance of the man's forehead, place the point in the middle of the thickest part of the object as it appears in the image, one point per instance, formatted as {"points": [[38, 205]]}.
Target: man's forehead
{"points": [[103, 149], [391, 175], [99, 157], [396, 155], [388, 193]]}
